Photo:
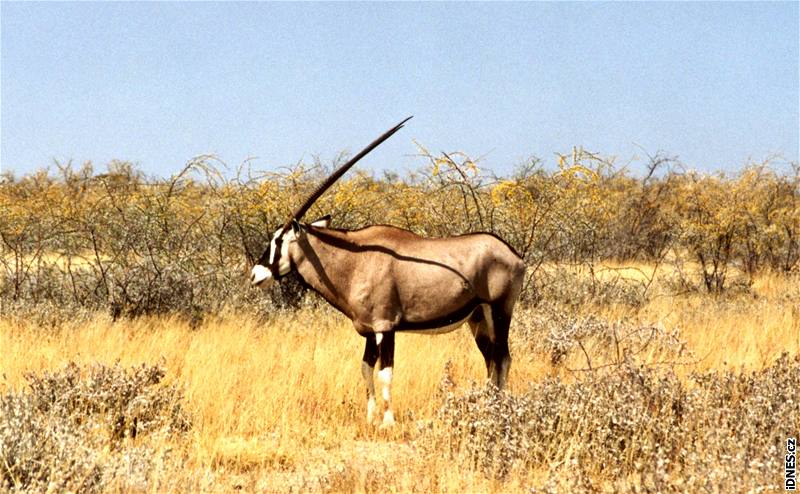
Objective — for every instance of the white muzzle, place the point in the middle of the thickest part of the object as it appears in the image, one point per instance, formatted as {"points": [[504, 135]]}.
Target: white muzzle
{"points": [[261, 276]]}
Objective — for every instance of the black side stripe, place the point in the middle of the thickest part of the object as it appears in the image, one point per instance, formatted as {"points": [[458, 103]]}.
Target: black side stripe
{"points": [[440, 322]]}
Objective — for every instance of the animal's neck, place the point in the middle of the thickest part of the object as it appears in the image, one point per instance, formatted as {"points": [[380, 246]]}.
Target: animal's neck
{"points": [[320, 262]]}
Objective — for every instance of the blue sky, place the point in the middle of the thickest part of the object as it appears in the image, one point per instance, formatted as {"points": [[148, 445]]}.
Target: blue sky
{"points": [[156, 83]]}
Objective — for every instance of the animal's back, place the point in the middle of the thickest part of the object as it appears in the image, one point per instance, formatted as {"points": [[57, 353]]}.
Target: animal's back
{"points": [[406, 240], [486, 261]]}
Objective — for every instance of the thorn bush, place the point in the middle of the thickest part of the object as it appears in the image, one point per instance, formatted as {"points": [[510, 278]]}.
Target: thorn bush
{"points": [[83, 429], [636, 428]]}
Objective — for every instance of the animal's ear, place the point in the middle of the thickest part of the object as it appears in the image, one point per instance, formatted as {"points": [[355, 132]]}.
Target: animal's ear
{"points": [[323, 222], [296, 227]]}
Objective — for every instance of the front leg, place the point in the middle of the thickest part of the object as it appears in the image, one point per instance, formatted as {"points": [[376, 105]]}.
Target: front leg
{"points": [[386, 351], [368, 370]]}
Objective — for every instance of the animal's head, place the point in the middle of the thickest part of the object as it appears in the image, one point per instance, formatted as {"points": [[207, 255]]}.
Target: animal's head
{"points": [[275, 262]]}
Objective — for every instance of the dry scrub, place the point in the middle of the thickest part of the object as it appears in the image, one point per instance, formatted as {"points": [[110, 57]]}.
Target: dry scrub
{"points": [[131, 246], [85, 431], [633, 428]]}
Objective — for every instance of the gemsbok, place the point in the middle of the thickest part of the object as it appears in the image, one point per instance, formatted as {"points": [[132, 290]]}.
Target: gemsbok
{"points": [[387, 279]]}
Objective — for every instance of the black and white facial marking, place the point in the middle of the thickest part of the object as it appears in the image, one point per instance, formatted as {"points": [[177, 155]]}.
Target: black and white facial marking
{"points": [[274, 262]]}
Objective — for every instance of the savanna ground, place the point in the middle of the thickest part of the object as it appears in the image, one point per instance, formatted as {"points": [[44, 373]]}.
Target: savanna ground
{"points": [[279, 405], [134, 359]]}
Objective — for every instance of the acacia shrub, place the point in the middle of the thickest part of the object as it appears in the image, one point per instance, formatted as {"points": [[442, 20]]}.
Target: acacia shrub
{"points": [[133, 245]]}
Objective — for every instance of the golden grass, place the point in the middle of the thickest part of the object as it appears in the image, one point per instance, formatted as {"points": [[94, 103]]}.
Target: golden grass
{"points": [[733, 330], [262, 397], [284, 400]]}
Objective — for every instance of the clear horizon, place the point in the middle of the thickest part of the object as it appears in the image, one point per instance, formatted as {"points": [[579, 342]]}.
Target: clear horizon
{"points": [[715, 84]]}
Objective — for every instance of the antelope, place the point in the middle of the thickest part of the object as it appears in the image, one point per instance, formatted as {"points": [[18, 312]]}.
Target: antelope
{"points": [[387, 280]]}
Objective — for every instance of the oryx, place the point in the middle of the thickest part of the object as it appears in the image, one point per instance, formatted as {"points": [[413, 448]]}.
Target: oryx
{"points": [[387, 279]]}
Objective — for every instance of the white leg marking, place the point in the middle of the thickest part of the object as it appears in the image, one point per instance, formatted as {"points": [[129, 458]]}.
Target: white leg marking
{"points": [[367, 372], [385, 377], [378, 338], [371, 410]]}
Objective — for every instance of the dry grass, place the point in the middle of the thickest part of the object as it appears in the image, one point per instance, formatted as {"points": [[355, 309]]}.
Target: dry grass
{"points": [[264, 399], [281, 405], [744, 330]]}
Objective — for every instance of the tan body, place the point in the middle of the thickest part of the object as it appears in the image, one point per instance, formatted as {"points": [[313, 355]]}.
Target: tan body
{"points": [[386, 279], [399, 281]]}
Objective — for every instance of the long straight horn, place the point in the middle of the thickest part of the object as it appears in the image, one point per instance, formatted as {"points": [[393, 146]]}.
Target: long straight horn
{"points": [[299, 212]]}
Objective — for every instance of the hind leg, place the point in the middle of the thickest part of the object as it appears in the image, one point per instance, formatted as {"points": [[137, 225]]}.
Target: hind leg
{"points": [[501, 357], [481, 325]]}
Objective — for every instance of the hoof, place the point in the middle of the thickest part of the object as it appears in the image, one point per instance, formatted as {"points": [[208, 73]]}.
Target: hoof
{"points": [[371, 411], [388, 420]]}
